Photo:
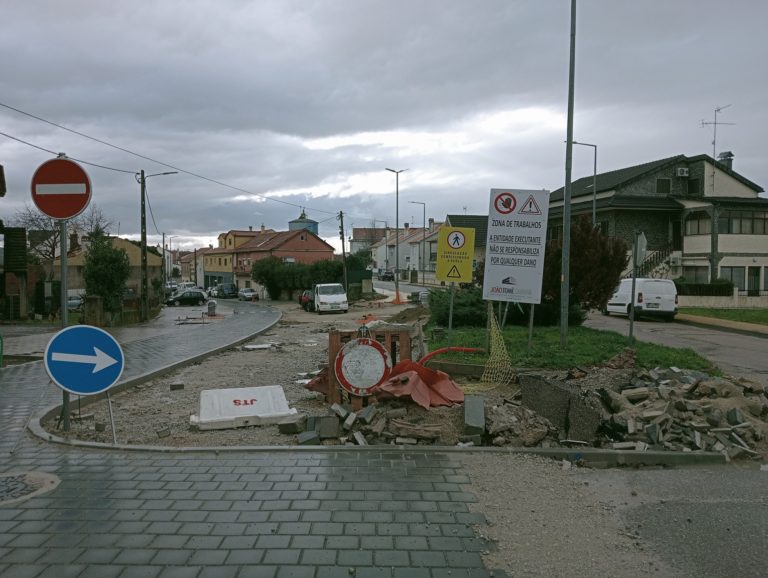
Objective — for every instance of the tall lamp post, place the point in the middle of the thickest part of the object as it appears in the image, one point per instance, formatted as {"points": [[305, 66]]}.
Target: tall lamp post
{"points": [[594, 181], [142, 179], [424, 237], [397, 232]]}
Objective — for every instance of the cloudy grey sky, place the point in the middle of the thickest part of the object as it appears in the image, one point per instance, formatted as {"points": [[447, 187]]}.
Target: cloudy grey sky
{"points": [[303, 103]]}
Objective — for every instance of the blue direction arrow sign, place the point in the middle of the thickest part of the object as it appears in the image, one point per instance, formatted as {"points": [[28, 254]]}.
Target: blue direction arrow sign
{"points": [[84, 360]]}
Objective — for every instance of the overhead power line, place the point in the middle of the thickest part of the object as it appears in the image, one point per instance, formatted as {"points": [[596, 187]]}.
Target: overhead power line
{"points": [[170, 166]]}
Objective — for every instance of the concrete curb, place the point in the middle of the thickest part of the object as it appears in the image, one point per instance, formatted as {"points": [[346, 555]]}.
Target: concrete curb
{"points": [[750, 329], [35, 422], [593, 457]]}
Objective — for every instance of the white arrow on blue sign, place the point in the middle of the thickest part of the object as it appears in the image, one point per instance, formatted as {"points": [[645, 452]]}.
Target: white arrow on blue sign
{"points": [[84, 360]]}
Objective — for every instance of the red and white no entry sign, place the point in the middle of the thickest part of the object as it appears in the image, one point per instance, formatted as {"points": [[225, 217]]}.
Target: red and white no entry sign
{"points": [[61, 188], [361, 365]]}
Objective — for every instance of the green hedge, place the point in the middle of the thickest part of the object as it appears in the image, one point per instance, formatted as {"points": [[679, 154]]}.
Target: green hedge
{"points": [[718, 288]]}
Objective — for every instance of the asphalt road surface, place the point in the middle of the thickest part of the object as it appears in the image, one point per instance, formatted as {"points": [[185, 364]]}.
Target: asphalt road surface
{"points": [[734, 353]]}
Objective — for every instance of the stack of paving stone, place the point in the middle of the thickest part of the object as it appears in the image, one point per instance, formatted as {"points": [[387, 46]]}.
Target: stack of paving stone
{"points": [[681, 410], [379, 423]]}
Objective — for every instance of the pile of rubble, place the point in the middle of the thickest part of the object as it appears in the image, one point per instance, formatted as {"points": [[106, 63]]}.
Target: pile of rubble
{"points": [[380, 423], [660, 409]]}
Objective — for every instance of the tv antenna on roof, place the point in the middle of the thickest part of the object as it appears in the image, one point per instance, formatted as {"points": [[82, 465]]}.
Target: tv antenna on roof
{"points": [[714, 125]]}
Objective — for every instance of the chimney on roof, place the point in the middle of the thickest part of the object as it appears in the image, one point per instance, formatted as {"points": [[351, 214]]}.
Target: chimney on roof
{"points": [[405, 226], [73, 242], [726, 159], [263, 228], [250, 227], [431, 224]]}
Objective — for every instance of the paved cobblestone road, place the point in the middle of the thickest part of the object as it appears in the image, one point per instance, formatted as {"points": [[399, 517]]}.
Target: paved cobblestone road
{"points": [[366, 513]]}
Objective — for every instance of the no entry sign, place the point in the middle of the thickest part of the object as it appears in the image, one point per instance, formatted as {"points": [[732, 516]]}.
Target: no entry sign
{"points": [[61, 188]]}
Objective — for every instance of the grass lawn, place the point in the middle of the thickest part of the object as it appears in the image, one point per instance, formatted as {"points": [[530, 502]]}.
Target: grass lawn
{"points": [[746, 315], [585, 347]]}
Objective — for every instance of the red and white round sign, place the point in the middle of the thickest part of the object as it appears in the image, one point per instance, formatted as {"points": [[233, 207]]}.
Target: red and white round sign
{"points": [[61, 188], [361, 365]]}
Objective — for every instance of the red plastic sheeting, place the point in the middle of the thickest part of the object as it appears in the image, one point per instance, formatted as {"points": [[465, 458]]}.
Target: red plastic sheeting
{"points": [[427, 387]]}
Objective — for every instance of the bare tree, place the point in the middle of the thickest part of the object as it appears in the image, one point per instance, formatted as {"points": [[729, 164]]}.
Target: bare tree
{"points": [[43, 232], [90, 221]]}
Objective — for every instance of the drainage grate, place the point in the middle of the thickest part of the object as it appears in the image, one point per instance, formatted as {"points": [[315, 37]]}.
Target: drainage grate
{"points": [[19, 486]]}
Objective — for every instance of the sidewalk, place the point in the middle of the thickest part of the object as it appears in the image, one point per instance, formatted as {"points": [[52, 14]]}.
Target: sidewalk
{"points": [[375, 513], [724, 324]]}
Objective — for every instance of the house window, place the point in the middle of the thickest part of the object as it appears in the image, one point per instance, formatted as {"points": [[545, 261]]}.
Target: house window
{"points": [[602, 227], [735, 275], [229, 241], [219, 261], [698, 224], [743, 223], [663, 186], [696, 274], [694, 187], [303, 237]]}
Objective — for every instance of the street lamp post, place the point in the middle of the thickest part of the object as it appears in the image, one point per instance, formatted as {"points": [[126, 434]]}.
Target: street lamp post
{"points": [[397, 232], [424, 237], [142, 179], [594, 181]]}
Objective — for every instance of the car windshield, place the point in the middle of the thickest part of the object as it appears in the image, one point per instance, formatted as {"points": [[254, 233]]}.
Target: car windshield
{"points": [[331, 290]]}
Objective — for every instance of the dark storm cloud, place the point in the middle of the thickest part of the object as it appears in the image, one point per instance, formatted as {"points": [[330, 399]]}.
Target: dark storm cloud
{"points": [[309, 101]]}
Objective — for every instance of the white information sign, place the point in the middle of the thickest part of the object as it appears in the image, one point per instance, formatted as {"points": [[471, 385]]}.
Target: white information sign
{"points": [[514, 250], [241, 407]]}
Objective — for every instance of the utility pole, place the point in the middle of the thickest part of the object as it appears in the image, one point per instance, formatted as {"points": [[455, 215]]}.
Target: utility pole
{"points": [[142, 178], [343, 249], [144, 272]]}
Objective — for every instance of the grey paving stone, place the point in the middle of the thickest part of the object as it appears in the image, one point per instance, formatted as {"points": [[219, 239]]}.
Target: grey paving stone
{"points": [[218, 572], [299, 528], [172, 557], [180, 572], [296, 572], [141, 571], [208, 557], [245, 558], [391, 558], [373, 572], [203, 542], [411, 573], [62, 571], [281, 557], [318, 557], [258, 572], [99, 571], [355, 558], [411, 543], [377, 542], [238, 542], [135, 556], [464, 560], [273, 541], [427, 559], [342, 542]]}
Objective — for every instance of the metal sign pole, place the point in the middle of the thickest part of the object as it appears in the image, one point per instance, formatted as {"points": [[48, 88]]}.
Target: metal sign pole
{"points": [[111, 419], [530, 329], [63, 308], [450, 313]]}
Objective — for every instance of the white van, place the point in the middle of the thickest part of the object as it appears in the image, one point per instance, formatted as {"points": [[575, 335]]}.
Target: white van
{"points": [[653, 297], [330, 297]]}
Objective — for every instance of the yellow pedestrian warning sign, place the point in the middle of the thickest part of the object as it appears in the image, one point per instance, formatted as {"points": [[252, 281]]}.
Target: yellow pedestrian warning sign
{"points": [[455, 254]]}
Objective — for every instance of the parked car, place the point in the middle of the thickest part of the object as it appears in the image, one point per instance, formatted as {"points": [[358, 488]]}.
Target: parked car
{"points": [[330, 297], [653, 298], [75, 303], [306, 300], [247, 294], [386, 275], [188, 297], [226, 290]]}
